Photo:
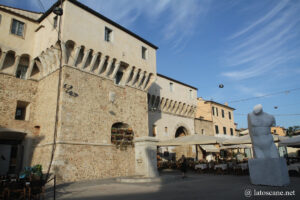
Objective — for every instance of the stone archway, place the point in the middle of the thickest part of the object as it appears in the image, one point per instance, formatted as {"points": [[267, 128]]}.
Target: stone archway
{"points": [[185, 150], [181, 131]]}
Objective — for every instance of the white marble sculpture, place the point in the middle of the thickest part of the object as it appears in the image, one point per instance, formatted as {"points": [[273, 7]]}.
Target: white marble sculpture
{"points": [[259, 124], [267, 168]]}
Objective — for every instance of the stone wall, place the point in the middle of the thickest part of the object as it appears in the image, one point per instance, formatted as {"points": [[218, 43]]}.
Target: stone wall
{"points": [[88, 161], [45, 114], [204, 127], [13, 89], [84, 149]]}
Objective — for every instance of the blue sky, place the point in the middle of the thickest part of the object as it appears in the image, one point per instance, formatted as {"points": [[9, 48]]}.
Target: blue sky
{"points": [[252, 47]]}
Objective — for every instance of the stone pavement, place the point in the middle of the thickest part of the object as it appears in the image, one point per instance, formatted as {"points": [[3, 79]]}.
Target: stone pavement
{"points": [[172, 186]]}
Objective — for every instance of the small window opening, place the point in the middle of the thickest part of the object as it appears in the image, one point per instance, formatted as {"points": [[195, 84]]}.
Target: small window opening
{"points": [[22, 110], [217, 129], [171, 87], [144, 53], [55, 21], [107, 34], [154, 130]]}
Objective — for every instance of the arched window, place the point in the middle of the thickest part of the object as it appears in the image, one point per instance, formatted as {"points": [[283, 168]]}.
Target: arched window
{"points": [[70, 45], [9, 60], [121, 135], [22, 67]]}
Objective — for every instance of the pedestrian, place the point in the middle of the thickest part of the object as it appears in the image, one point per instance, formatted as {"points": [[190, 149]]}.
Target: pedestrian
{"points": [[183, 166]]}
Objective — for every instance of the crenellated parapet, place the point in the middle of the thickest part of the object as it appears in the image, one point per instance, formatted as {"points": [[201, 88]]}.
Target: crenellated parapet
{"points": [[162, 104], [76, 56]]}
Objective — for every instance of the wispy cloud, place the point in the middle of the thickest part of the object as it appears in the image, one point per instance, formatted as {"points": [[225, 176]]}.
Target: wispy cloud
{"points": [[175, 20], [273, 12], [248, 91], [267, 43]]}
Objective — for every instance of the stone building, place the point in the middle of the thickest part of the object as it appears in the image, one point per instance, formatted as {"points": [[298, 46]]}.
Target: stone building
{"points": [[221, 116], [72, 87], [172, 106]]}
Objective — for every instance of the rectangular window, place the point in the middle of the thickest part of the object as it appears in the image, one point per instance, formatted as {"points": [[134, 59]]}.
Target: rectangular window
{"points": [[231, 131], [144, 53], [217, 129], [213, 110], [55, 21], [202, 131], [154, 130], [191, 94], [107, 34], [166, 129], [171, 87], [22, 110], [229, 115], [17, 27], [224, 130], [217, 112], [223, 113]]}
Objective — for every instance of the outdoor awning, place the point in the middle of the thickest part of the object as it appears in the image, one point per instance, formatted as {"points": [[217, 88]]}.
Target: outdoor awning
{"points": [[210, 148], [11, 134], [191, 139], [247, 140], [237, 146], [291, 142]]}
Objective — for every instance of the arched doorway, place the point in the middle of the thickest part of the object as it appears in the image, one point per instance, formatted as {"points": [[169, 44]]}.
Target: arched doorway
{"points": [[185, 150], [181, 131]]}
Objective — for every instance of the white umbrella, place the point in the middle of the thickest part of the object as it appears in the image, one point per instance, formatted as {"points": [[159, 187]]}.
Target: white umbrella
{"points": [[210, 148], [292, 141], [247, 140], [191, 139], [238, 146]]}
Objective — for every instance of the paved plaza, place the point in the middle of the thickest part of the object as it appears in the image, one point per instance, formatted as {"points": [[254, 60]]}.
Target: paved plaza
{"points": [[172, 186]]}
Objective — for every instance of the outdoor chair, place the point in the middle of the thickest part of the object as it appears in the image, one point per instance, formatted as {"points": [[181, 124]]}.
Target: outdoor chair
{"points": [[37, 189], [16, 190], [3, 192]]}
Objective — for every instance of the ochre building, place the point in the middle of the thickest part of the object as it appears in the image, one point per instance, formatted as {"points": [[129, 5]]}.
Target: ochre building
{"points": [[221, 116]]}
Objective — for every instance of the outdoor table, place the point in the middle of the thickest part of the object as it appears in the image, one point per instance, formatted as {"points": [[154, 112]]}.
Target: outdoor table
{"points": [[201, 166], [295, 166], [230, 164], [221, 166], [243, 166]]}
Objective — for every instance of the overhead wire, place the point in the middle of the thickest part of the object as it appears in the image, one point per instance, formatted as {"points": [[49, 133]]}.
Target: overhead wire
{"points": [[265, 95]]}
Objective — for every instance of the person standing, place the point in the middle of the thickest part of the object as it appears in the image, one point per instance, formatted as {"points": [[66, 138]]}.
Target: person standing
{"points": [[183, 166]]}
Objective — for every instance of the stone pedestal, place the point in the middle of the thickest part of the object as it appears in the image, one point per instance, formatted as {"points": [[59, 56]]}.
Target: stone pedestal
{"points": [[145, 156], [268, 171]]}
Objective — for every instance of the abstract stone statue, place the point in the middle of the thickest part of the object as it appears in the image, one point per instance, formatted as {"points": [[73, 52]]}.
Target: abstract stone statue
{"points": [[267, 168]]}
